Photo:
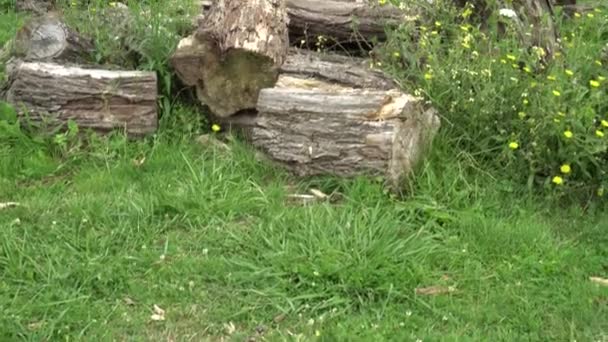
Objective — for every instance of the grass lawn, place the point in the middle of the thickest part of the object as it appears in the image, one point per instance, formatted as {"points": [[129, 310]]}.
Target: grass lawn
{"points": [[105, 233]]}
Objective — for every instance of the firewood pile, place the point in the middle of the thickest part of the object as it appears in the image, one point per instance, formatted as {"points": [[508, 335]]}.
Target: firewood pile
{"points": [[256, 65]]}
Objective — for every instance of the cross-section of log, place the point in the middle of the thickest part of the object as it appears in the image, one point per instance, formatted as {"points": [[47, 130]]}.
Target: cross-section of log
{"points": [[235, 52], [101, 100], [49, 38], [342, 20], [331, 130]]}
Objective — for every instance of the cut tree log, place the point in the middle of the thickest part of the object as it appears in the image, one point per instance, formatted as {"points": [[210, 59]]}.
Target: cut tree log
{"points": [[235, 52], [332, 130], [35, 6], [314, 69], [334, 115], [101, 100], [48, 38], [345, 21]]}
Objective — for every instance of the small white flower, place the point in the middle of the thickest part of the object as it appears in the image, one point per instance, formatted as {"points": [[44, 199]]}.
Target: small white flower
{"points": [[507, 12], [408, 313]]}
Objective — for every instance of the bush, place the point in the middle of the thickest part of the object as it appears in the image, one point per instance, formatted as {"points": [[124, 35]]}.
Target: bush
{"points": [[545, 125]]}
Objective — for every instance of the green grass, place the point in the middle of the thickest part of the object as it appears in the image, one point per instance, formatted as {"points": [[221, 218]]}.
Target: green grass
{"points": [[209, 236]]}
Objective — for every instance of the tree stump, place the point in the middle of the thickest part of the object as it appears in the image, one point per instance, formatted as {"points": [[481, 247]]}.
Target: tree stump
{"points": [[235, 52], [101, 100]]}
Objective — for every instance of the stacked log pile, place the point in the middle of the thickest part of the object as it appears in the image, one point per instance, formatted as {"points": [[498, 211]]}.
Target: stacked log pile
{"points": [[51, 79], [313, 113]]}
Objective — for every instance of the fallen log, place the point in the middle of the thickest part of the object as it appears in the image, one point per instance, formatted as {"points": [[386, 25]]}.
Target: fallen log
{"points": [[314, 69], [101, 100], [35, 6], [329, 130], [234, 53], [344, 21], [334, 115], [49, 38]]}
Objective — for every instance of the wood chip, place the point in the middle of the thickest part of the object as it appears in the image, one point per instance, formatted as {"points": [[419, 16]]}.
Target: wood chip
{"points": [[318, 194], [279, 318], [434, 290], [128, 301], [600, 281], [7, 205], [159, 314]]}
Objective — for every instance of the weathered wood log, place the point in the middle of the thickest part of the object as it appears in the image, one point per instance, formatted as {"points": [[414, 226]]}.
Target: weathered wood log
{"points": [[343, 132], [47, 38], [344, 21], [35, 6], [235, 52], [101, 100], [334, 115], [316, 70]]}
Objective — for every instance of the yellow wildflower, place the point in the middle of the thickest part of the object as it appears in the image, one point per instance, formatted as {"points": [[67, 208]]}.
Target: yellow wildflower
{"points": [[561, 113], [578, 15], [590, 15], [558, 180], [428, 76], [594, 83], [604, 123], [511, 57], [601, 78], [465, 45], [216, 128], [557, 93], [521, 115], [467, 12], [568, 134], [551, 78], [569, 72], [565, 169], [527, 69], [513, 145], [438, 23], [396, 54], [599, 134], [382, 2], [598, 62], [525, 101], [503, 61]]}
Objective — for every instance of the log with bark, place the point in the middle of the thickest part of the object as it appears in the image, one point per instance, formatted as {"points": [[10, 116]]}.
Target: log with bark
{"points": [[49, 38], [101, 100], [235, 52], [334, 115], [342, 21], [329, 130], [345, 21], [35, 6]]}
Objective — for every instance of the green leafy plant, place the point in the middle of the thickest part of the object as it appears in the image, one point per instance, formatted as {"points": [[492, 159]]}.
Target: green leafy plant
{"points": [[542, 124]]}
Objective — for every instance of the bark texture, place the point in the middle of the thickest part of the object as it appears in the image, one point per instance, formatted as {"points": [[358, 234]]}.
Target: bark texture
{"points": [[235, 52], [102, 100], [343, 132], [49, 38], [35, 6], [342, 20]]}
